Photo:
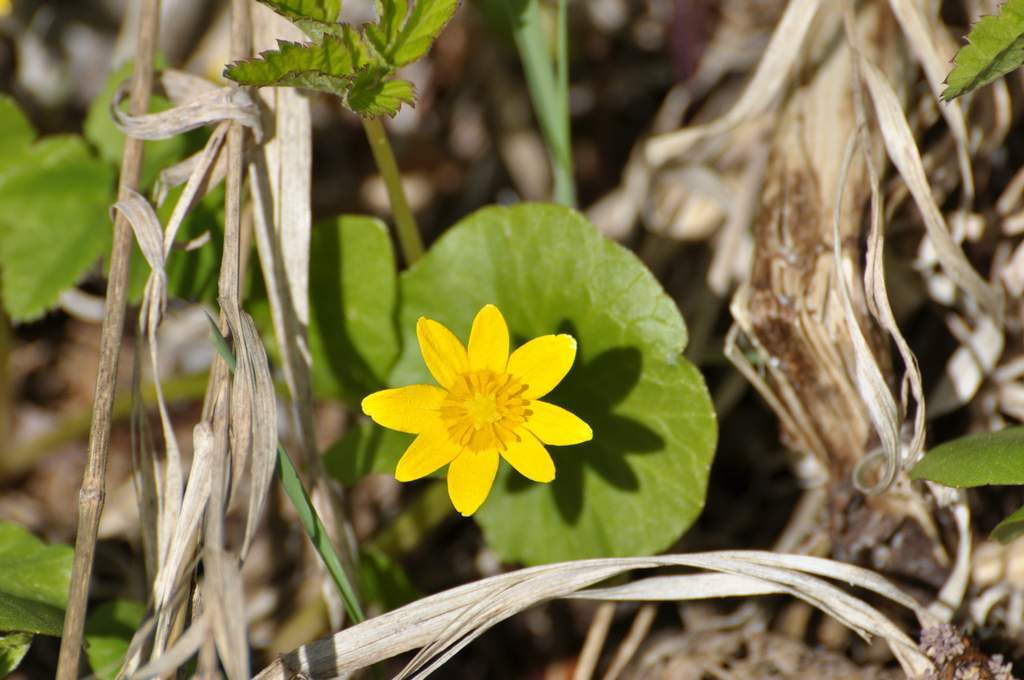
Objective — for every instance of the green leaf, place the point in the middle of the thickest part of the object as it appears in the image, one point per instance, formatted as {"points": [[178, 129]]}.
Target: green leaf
{"points": [[34, 582], [390, 15], [371, 95], [995, 47], [330, 66], [986, 458], [101, 132], [108, 632], [365, 448], [13, 647], [16, 132], [296, 10], [353, 289], [421, 26], [383, 581], [54, 196], [317, 532], [641, 482], [1010, 528]]}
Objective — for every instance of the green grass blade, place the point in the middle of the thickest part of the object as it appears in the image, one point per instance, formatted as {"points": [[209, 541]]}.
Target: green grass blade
{"points": [[548, 92], [317, 532], [308, 516]]}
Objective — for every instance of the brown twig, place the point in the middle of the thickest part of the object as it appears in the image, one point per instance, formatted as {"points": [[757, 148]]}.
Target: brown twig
{"points": [[92, 493]]}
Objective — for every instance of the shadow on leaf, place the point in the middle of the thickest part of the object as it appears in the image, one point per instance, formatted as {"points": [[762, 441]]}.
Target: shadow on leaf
{"points": [[592, 390]]}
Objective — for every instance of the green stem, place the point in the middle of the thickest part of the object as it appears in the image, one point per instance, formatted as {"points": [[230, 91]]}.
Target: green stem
{"points": [[405, 224], [548, 92]]}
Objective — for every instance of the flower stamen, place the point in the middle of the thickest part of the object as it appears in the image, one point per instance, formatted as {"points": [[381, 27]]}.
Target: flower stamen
{"points": [[483, 409]]}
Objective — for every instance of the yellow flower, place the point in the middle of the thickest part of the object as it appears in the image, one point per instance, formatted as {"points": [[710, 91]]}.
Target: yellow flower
{"points": [[487, 405]]}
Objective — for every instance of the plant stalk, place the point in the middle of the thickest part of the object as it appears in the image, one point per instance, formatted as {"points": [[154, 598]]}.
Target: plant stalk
{"points": [[409, 239], [92, 493], [549, 89]]}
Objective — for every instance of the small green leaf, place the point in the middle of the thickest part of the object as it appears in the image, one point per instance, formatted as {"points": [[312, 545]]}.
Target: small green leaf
{"points": [[390, 15], [296, 10], [986, 458], [995, 47], [108, 632], [641, 482], [421, 27], [330, 66], [13, 647], [353, 289], [383, 581], [371, 95], [34, 582], [365, 448], [16, 132], [54, 196], [1010, 528]]}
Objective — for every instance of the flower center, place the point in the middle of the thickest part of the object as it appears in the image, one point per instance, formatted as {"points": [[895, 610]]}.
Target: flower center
{"points": [[484, 409]]}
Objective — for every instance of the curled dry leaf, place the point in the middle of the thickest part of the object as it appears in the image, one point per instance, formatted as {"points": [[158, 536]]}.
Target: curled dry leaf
{"points": [[444, 623]]}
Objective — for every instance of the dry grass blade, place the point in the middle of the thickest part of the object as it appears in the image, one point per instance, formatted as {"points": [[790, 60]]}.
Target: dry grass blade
{"points": [[772, 71], [935, 66], [281, 180], [637, 632], [870, 382], [222, 590], [203, 108], [446, 622], [91, 495], [902, 149]]}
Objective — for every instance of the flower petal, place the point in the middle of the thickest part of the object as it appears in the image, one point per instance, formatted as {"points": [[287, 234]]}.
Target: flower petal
{"points": [[470, 477], [414, 408], [542, 363], [428, 452], [442, 351], [530, 459], [488, 341], [556, 426]]}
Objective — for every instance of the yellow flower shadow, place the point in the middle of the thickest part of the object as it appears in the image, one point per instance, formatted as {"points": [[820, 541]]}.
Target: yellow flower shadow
{"points": [[592, 390]]}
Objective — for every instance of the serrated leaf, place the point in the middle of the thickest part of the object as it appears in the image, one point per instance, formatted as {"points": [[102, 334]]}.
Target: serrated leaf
{"points": [[353, 286], [1010, 528], [108, 632], [100, 131], [419, 30], [13, 647], [421, 26], [329, 66], [995, 47], [986, 458], [54, 226], [371, 95], [365, 448], [34, 581], [390, 16], [296, 10], [641, 482]]}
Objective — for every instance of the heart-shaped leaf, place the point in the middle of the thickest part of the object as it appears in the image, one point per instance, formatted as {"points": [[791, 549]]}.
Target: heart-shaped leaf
{"points": [[641, 482], [34, 580], [353, 289]]}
